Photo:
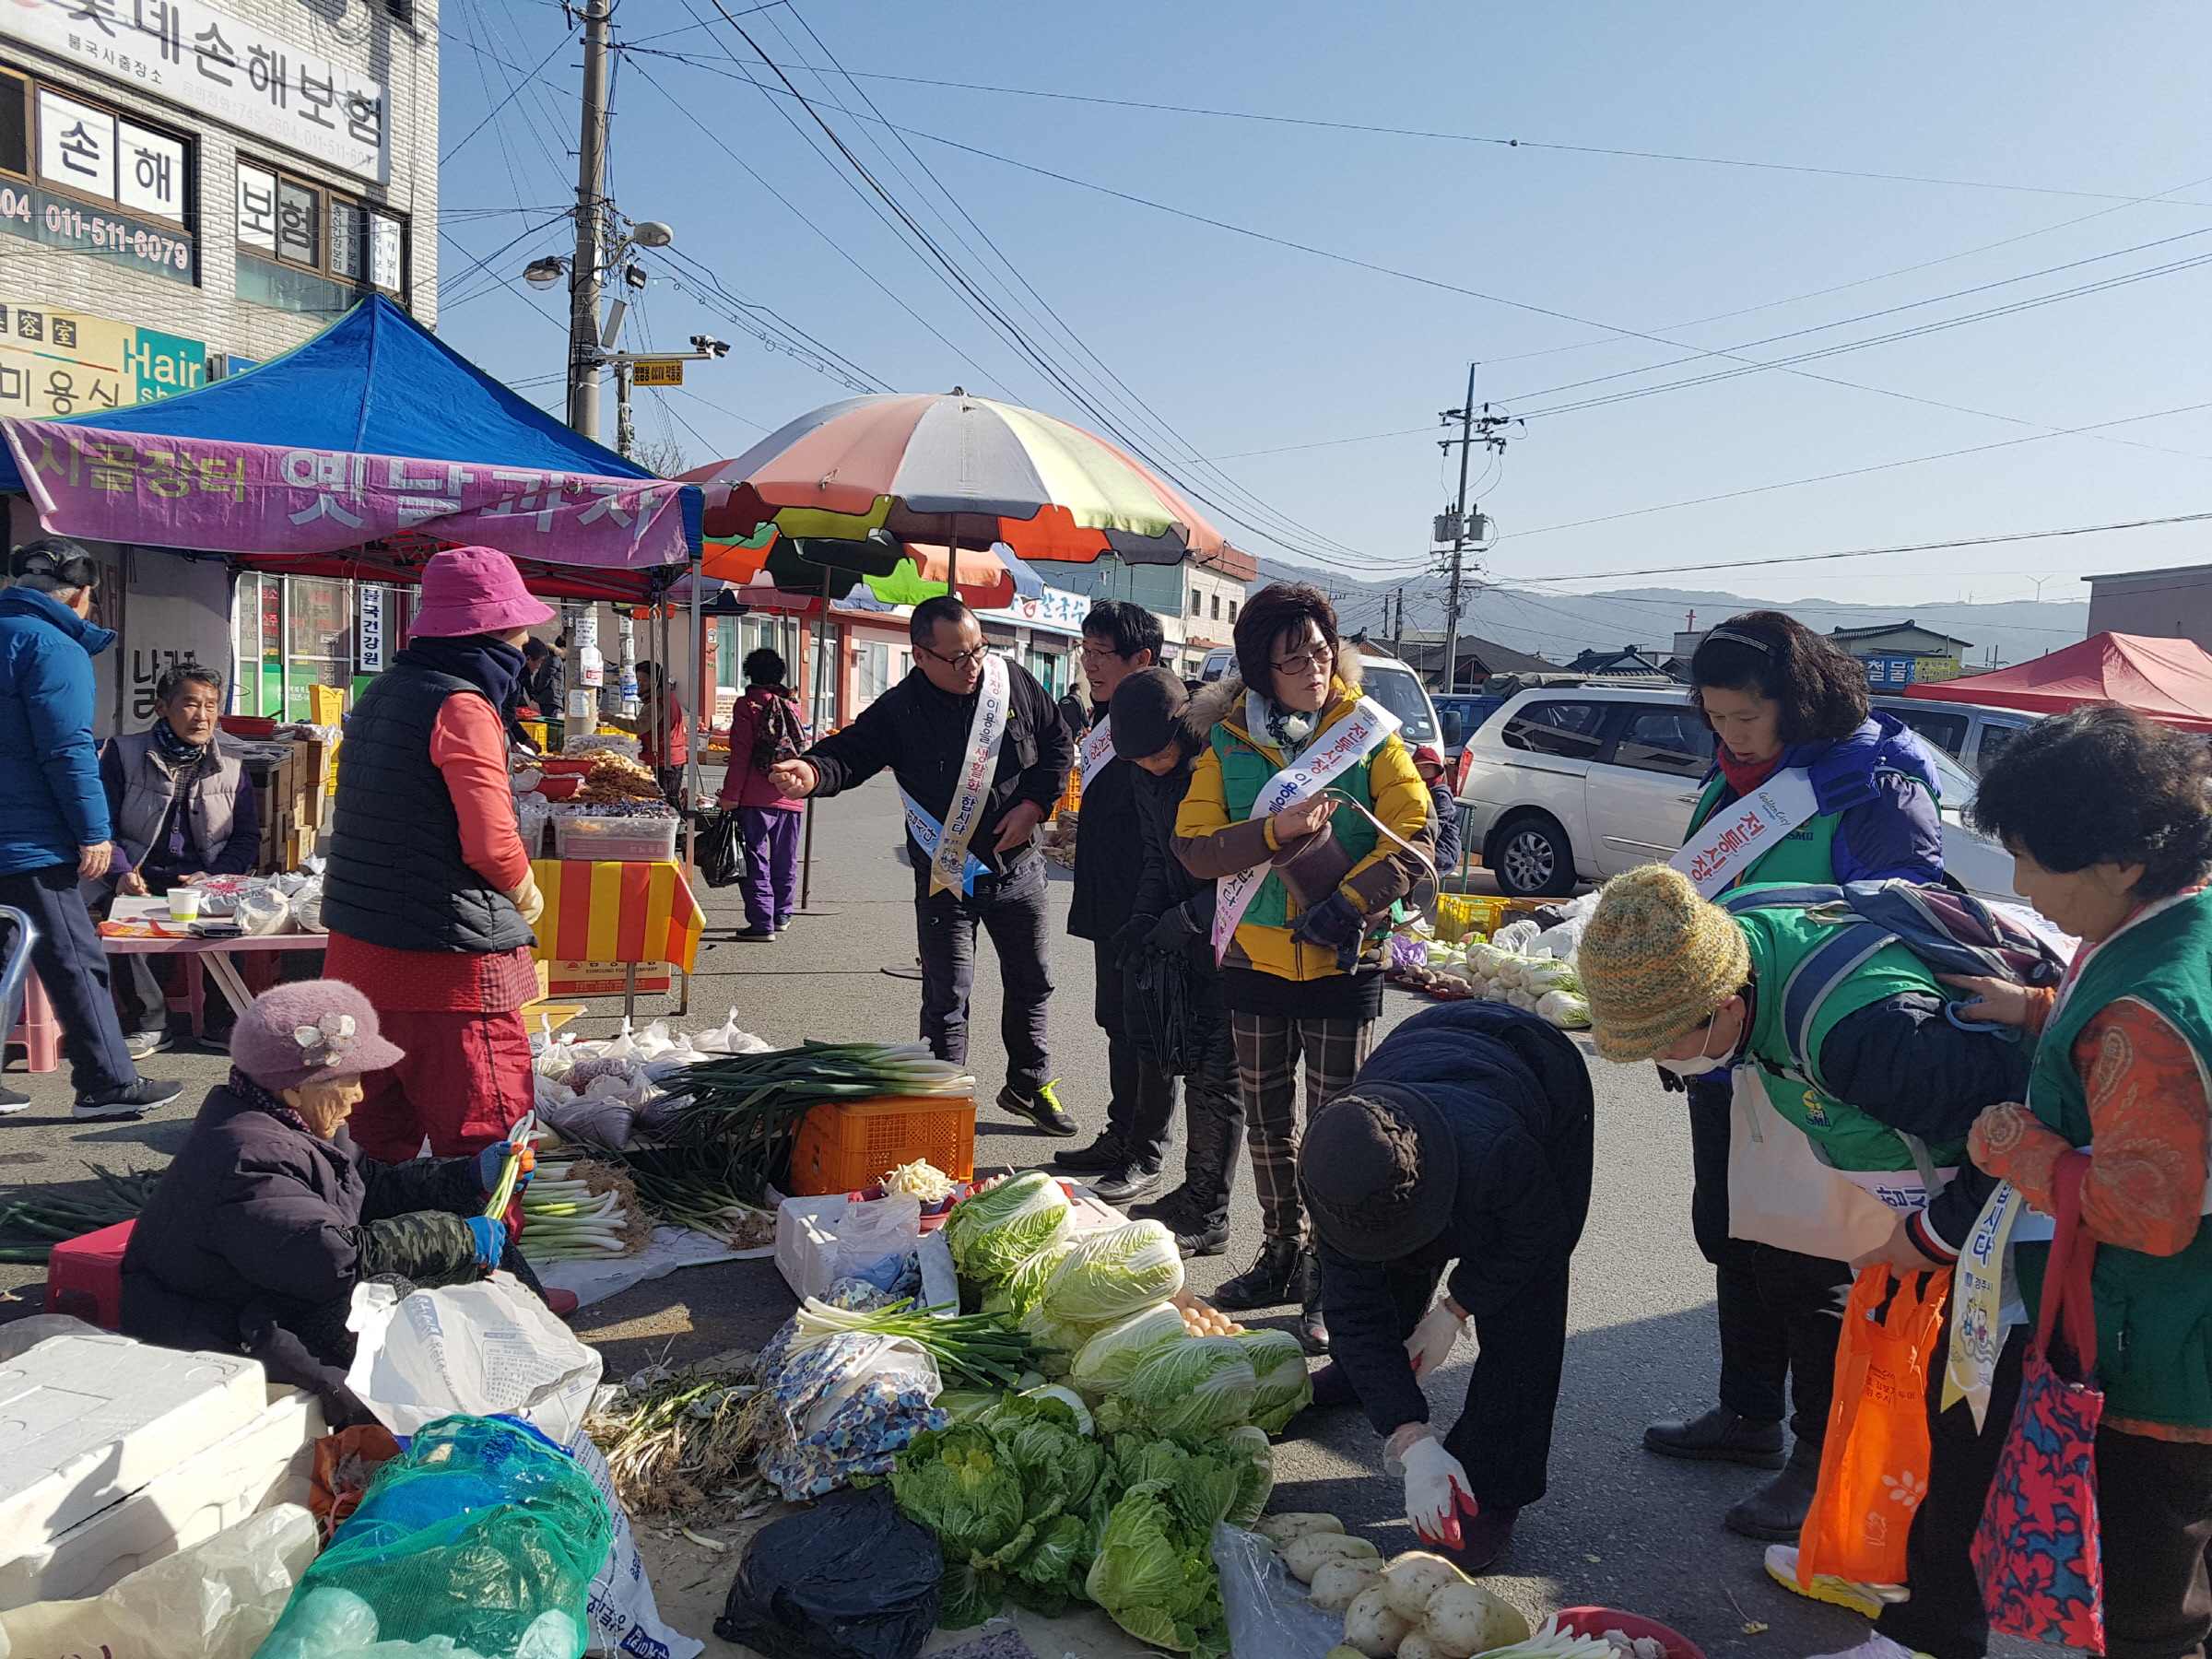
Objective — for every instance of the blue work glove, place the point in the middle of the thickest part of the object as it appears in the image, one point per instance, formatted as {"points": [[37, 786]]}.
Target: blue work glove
{"points": [[493, 1160], [1338, 923], [491, 1241], [1172, 930]]}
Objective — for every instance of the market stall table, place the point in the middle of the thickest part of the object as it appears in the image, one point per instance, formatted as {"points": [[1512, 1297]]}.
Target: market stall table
{"points": [[629, 914]]}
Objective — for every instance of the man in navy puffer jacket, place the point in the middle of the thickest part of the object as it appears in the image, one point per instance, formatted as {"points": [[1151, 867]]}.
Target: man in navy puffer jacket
{"points": [[1467, 1134], [53, 815]]}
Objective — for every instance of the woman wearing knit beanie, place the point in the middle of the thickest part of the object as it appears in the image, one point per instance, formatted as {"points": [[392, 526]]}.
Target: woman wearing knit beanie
{"points": [[1871, 1072], [270, 1215]]}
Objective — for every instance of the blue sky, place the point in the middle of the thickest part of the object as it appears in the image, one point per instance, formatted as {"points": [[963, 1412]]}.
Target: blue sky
{"points": [[1243, 362]]}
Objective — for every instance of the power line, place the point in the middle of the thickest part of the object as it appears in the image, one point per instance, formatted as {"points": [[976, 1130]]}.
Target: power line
{"points": [[1973, 541], [1583, 149]]}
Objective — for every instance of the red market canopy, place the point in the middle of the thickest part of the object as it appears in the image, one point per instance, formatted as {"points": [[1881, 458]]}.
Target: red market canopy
{"points": [[2168, 680]]}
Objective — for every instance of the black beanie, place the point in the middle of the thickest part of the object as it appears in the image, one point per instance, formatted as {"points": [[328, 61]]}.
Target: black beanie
{"points": [[1379, 1171], [1146, 711]]}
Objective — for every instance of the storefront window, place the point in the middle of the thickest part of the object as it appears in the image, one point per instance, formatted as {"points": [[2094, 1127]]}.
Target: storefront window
{"points": [[318, 638]]}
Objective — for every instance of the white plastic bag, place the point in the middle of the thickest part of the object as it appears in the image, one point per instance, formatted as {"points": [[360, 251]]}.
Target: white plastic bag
{"points": [[728, 1038], [1266, 1612], [624, 1617], [1515, 937], [266, 911], [216, 1599], [481, 1349], [871, 1228], [307, 906]]}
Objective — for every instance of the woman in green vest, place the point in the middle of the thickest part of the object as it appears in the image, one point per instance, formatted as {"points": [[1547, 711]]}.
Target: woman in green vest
{"points": [[1782, 698], [1292, 974], [2106, 816]]}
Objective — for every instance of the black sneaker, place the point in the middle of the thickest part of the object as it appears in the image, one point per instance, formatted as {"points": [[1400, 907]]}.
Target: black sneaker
{"points": [[1129, 1182], [1200, 1240], [1174, 1208], [1042, 1109], [1102, 1157], [141, 1096]]}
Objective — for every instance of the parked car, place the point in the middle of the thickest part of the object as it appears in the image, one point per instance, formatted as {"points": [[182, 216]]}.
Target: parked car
{"points": [[1385, 679], [1574, 784], [1967, 733], [1463, 714]]}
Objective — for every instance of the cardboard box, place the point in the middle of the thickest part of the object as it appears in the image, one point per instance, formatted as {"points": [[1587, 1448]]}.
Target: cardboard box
{"points": [[603, 978]]}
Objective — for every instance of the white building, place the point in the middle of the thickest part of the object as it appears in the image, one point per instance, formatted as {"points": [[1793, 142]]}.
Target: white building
{"points": [[1195, 601]]}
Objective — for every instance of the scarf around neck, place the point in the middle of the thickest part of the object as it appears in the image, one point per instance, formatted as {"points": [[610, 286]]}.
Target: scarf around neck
{"points": [[491, 666], [174, 749], [1289, 730], [1743, 776], [264, 1099]]}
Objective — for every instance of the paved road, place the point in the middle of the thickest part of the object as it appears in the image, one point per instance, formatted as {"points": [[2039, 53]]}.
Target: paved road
{"points": [[1620, 1528]]}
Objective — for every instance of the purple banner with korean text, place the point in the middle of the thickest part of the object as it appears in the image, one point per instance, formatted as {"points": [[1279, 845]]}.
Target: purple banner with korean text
{"points": [[246, 498]]}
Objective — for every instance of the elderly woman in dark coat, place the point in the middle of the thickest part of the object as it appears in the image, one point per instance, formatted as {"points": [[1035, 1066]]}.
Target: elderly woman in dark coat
{"points": [[269, 1217]]}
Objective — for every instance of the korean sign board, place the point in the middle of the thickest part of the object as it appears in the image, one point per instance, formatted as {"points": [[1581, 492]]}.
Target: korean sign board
{"points": [[1891, 670], [194, 54], [94, 152], [669, 373], [61, 362]]}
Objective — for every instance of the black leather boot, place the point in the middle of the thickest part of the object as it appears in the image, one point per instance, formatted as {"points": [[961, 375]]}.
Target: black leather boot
{"points": [[1777, 1510], [1312, 1333], [1267, 1283], [1720, 1436]]}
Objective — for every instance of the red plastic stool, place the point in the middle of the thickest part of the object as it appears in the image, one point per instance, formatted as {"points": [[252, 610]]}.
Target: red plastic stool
{"points": [[37, 1032], [192, 998], [84, 1277]]}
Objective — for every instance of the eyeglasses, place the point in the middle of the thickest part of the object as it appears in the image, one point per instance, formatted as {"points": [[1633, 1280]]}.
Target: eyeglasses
{"points": [[1321, 657], [959, 659], [1100, 654]]}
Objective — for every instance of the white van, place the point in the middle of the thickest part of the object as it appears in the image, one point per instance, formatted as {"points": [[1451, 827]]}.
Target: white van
{"points": [[1385, 679]]}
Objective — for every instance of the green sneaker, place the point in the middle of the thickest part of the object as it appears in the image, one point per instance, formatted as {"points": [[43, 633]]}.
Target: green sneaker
{"points": [[1867, 1600], [1042, 1109]]}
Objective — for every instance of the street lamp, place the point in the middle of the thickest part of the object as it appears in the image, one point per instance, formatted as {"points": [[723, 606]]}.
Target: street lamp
{"points": [[543, 273]]}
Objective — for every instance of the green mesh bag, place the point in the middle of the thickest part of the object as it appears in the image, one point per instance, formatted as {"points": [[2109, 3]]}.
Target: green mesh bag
{"points": [[483, 1532]]}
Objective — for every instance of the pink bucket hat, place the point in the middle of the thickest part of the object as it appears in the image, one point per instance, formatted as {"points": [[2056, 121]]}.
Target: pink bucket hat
{"points": [[309, 1032], [473, 591]]}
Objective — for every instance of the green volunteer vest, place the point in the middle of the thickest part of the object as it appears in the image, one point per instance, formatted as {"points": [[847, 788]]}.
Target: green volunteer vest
{"points": [[1806, 856], [1846, 1137], [1244, 773], [2154, 1314]]}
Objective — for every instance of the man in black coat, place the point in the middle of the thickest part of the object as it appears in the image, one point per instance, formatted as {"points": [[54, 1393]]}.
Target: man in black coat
{"points": [[919, 730], [1119, 638], [1468, 1135]]}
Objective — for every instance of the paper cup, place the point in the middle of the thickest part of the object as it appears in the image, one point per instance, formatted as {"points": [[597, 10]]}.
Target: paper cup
{"points": [[183, 904]]}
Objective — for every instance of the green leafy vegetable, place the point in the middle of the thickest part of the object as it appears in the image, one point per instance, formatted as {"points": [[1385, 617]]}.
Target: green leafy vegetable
{"points": [[1111, 1275], [1278, 1365], [1198, 1386], [1103, 1363], [1156, 1580], [1022, 1290], [994, 1232]]}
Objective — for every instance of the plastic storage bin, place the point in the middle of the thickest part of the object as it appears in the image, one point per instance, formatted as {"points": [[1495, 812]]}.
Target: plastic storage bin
{"points": [[617, 840], [846, 1145], [84, 1277]]}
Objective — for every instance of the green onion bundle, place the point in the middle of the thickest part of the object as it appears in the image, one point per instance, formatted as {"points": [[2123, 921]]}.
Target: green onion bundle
{"points": [[695, 1187], [581, 1212], [30, 1228], [750, 1105], [978, 1350]]}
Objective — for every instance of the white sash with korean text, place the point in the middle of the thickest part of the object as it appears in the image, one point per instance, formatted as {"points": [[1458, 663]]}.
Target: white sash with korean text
{"points": [[1724, 846], [972, 788], [1335, 751], [927, 833], [1096, 749]]}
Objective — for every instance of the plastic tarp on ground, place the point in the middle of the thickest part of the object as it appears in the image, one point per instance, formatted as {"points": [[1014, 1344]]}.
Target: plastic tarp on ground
{"points": [[373, 430], [2168, 680]]}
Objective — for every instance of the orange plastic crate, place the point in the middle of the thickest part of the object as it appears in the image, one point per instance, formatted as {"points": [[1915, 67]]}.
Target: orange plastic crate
{"points": [[845, 1144]]}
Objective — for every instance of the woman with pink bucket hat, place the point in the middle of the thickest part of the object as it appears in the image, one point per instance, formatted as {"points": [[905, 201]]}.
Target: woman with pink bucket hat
{"points": [[428, 895]]}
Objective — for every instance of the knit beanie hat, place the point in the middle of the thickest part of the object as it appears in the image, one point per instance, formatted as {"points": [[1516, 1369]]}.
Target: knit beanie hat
{"points": [[1378, 1171], [309, 1031], [1655, 960], [1146, 711]]}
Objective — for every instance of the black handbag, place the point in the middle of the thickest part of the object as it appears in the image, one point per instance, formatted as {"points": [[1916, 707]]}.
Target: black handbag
{"points": [[721, 851]]}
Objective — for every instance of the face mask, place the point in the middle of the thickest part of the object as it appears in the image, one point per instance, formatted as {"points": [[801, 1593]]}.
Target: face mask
{"points": [[1699, 1065]]}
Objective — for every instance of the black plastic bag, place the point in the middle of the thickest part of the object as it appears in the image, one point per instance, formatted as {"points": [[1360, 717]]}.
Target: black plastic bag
{"points": [[721, 850], [851, 1577], [1159, 982]]}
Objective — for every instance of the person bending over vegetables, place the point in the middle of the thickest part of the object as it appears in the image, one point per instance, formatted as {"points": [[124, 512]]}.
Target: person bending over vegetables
{"points": [[1874, 1074], [258, 1232], [1468, 1134]]}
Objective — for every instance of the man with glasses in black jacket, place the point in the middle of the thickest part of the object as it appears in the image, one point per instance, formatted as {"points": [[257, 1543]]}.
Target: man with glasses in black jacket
{"points": [[977, 741]]}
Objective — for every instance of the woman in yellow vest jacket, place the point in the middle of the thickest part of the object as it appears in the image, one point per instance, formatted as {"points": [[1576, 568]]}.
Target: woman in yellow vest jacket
{"points": [[1291, 974]]}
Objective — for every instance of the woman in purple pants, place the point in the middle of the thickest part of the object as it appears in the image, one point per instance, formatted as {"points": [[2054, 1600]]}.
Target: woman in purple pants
{"points": [[764, 729]]}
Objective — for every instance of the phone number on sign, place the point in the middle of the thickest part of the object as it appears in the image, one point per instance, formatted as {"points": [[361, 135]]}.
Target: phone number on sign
{"points": [[74, 225]]}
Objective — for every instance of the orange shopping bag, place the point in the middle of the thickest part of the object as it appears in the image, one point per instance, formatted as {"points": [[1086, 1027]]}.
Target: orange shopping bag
{"points": [[1873, 1469]]}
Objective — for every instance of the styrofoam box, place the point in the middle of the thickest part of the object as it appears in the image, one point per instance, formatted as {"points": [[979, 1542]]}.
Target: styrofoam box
{"points": [[85, 1421], [807, 1242], [271, 1460]]}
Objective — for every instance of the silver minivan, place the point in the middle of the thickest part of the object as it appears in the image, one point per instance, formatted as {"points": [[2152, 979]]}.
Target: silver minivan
{"points": [[1967, 733], [1386, 679]]}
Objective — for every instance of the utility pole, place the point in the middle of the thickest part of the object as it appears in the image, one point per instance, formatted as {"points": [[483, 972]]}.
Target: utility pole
{"points": [[591, 216], [1399, 633], [1458, 526]]}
